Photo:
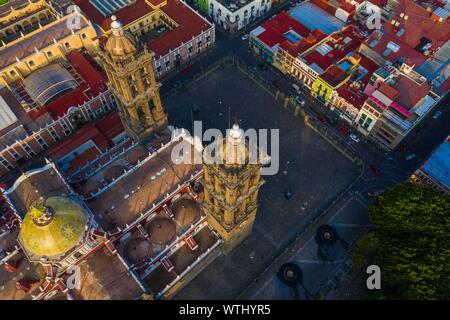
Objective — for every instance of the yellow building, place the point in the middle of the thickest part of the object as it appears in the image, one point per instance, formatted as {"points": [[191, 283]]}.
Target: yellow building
{"points": [[232, 181], [128, 65], [36, 35]]}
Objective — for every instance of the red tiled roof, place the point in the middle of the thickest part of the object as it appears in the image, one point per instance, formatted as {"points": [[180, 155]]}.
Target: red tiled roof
{"points": [[101, 133], [94, 83], [334, 75], [189, 23], [325, 5], [405, 50], [336, 54], [69, 144], [125, 15], [418, 25], [388, 91], [409, 92], [355, 97], [110, 126], [276, 27]]}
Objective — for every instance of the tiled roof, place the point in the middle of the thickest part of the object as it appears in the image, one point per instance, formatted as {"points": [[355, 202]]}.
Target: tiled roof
{"points": [[333, 54], [190, 24], [276, 28], [410, 93], [354, 96], [418, 25], [334, 75], [93, 84], [380, 45], [38, 40]]}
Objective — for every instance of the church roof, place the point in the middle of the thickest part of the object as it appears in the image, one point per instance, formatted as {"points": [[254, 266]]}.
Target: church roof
{"points": [[58, 233]]}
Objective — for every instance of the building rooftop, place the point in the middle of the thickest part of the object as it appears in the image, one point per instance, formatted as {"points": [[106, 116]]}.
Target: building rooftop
{"points": [[314, 17], [132, 183], [38, 40], [392, 48], [438, 165], [106, 277], [189, 23], [343, 43], [334, 75], [417, 26], [284, 31]]}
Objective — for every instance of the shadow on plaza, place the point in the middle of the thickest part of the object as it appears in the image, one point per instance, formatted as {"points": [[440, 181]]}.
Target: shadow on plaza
{"points": [[310, 167]]}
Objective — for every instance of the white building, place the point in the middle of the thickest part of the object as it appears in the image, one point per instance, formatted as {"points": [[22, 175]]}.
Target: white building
{"points": [[233, 15]]}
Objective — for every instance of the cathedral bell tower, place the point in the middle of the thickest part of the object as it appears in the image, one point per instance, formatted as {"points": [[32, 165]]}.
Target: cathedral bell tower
{"points": [[231, 183], [129, 67]]}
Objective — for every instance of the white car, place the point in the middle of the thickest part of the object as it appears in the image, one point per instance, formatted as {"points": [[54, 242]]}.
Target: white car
{"points": [[354, 137], [244, 37], [437, 114]]}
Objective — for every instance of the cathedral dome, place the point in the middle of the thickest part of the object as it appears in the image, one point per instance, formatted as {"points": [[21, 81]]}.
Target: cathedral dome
{"points": [[52, 228], [120, 43]]}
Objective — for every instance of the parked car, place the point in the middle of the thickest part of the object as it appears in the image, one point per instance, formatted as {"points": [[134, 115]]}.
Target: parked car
{"points": [[354, 137], [410, 156], [244, 37], [295, 87], [299, 101], [437, 114], [187, 69], [321, 118], [343, 129], [376, 170]]}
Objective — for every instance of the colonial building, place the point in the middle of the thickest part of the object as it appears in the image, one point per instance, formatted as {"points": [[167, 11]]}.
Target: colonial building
{"points": [[135, 223], [37, 118], [173, 31], [34, 35], [232, 181], [398, 99], [235, 15], [435, 172], [128, 64]]}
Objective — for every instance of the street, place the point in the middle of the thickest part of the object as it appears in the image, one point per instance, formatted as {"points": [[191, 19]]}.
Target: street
{"points": [[347, 213]]}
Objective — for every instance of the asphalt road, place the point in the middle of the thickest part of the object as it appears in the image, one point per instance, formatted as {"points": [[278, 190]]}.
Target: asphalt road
{"points": [[350, 212]]}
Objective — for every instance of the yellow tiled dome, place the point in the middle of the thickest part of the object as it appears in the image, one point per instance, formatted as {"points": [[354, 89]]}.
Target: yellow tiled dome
{"points": [[52, 228], [120, 43]]}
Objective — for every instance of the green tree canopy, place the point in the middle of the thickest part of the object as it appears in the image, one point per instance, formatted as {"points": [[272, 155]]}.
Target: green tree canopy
{"points": [[412, 243]]}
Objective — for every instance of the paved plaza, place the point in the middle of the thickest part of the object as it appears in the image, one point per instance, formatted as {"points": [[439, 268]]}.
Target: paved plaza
{"points": [[310, 167]]}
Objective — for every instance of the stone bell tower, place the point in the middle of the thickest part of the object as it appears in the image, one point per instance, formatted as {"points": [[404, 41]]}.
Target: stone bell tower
{"points": [[231, 183], [128, 65]]}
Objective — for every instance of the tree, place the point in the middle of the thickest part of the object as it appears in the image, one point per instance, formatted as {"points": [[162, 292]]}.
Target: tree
{"points": [[411, 244]]}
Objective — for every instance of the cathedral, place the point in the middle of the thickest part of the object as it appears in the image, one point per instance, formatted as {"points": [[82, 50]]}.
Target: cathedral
{"points": [[135, 223]]}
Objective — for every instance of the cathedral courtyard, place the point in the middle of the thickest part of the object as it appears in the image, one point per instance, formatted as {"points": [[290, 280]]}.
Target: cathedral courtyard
{"points": [[310, 167]]}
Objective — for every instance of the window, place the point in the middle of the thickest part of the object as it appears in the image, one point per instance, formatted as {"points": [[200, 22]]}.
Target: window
{"points": [[83, 36], [15, 154], [49, 54], [41, 142], [28, 150], [12, 73], [67, 45], [31, 63]]}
